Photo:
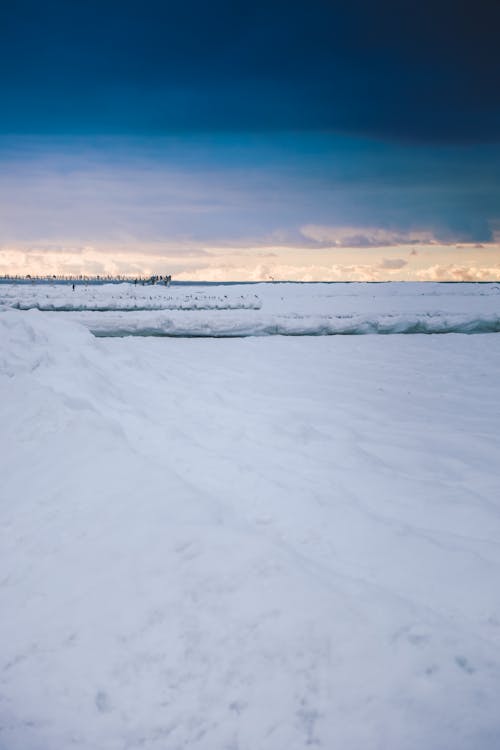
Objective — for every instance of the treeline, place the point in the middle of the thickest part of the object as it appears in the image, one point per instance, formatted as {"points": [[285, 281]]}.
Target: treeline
{"points": [[82, 278]]}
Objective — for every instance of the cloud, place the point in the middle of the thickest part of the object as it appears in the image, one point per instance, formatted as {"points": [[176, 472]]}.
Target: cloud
{"points": [[364, 237], [393, 264], [284, 272], [453, 272], [138, 261]]}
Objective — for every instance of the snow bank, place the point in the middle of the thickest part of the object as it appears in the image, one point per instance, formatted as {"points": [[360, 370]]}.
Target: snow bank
{"points": [[268, 309], [31, 340], [259, 543], [227, 326], [125, 297]]}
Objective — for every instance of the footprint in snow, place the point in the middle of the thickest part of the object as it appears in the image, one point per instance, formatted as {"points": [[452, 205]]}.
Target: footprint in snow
{"points": [[102, 702], [464, 664]]}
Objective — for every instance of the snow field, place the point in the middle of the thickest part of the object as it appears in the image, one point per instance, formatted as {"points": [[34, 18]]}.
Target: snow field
{"points": [[255, 543]]}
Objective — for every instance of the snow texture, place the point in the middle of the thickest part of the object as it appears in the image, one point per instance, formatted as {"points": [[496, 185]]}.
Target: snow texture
{"points": [[260, 543], [268, 309]]}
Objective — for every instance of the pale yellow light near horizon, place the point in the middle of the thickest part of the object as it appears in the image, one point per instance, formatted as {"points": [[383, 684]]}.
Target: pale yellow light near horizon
{"points": [[433, 262]]}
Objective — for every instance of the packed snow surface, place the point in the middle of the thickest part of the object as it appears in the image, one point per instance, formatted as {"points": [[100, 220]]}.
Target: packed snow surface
{"points": [[265, 543], [267, 309]]}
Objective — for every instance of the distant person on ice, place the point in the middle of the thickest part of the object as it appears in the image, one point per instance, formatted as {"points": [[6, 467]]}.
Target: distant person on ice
{"points": [[73, 287]]}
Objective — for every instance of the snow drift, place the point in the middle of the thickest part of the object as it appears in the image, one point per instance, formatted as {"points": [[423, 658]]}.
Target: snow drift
{"points": [[259, 543], [229, 326]]}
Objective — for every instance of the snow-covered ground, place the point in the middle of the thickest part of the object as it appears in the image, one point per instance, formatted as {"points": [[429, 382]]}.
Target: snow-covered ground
{"points": [[267, 309], [125, 297], [262, 543]]}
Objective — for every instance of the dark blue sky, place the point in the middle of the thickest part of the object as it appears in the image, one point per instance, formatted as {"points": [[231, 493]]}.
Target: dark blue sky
{"points": [[325, 129], [418, 71]]}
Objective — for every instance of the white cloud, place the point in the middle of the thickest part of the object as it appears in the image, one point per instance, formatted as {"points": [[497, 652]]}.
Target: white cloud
{"points": [[459, 273], [393, 264], [284, 272], [48, 259], [242, 261]]}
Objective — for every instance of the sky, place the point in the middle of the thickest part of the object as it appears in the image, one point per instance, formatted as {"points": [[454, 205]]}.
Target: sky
{"points": [[250, 141]]}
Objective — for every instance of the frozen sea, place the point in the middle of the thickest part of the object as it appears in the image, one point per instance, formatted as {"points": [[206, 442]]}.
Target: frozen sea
{"points": [[220, 537]]}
